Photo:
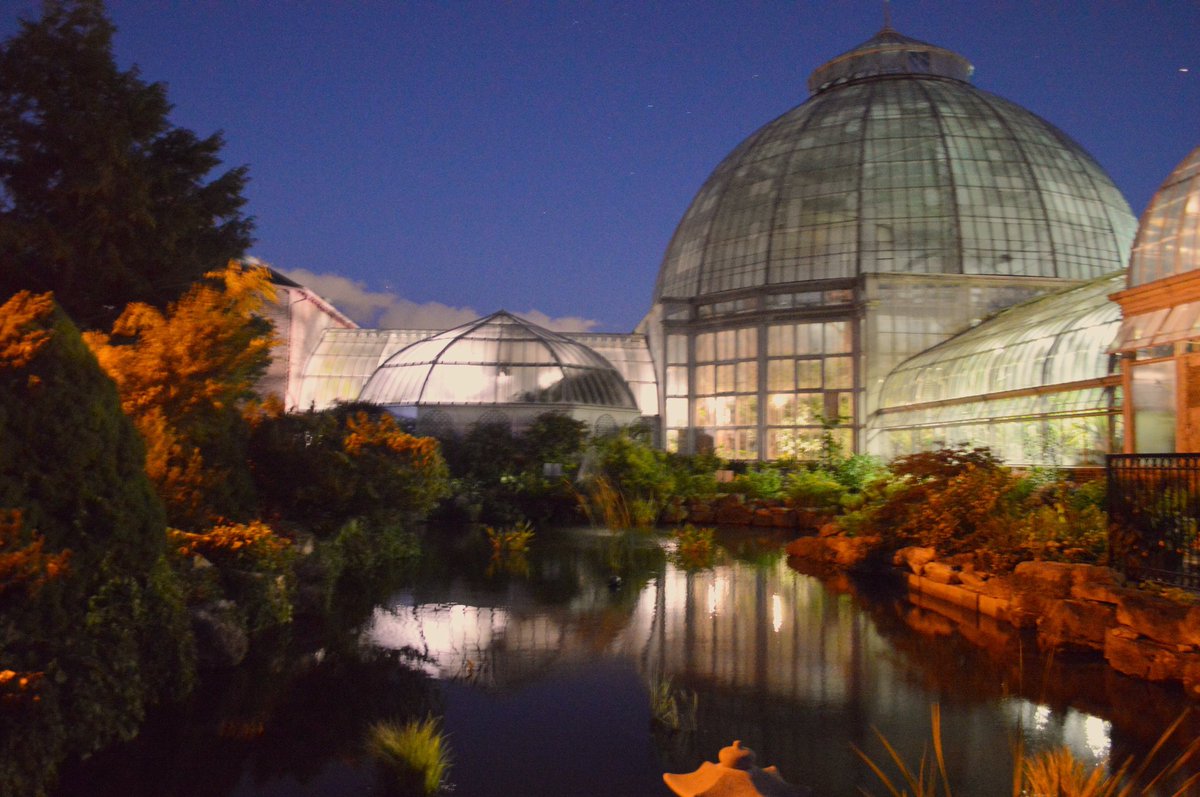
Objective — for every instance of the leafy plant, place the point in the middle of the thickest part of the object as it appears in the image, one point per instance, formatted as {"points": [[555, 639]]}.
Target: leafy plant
{"points": [[759, 481], [814, 488]]}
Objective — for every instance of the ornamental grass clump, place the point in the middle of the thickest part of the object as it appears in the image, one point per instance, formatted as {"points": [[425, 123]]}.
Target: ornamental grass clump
{"points": [[415, 753], [1051, 773], [672, 708]]}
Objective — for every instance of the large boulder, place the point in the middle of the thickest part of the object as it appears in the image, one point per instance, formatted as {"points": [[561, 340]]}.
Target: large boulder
{"points": [[1128, 653], [1156, 617], [1075, 625], [914, 557]]}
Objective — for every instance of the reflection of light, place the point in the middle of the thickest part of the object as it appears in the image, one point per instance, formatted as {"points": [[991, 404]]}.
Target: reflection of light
{"points": [[1097, 735], [451, 635], [718, 593], [1041, 717], [776, 612]]}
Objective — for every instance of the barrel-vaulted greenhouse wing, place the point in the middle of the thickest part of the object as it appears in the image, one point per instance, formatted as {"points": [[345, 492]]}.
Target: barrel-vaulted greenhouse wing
{"points": [[1036, 384]]}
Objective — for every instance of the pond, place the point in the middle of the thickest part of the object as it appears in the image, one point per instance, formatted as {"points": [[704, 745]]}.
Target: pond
{"points": [[541, 670]]}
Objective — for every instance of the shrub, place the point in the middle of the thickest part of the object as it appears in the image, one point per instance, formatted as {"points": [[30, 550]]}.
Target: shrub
{"points": [[760, 481], [814, 488], [97, 633]]}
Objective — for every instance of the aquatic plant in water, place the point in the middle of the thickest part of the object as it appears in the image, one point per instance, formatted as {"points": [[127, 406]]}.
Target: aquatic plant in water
{"points": [[671, 707], [416, 753]]}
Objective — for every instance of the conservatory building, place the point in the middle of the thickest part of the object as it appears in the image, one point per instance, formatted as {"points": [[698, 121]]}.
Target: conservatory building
{"points": [[902, 261], [895, 208]]}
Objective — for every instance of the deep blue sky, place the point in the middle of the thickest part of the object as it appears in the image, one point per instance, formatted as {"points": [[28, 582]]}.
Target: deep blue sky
{"points": [[537, 155]]}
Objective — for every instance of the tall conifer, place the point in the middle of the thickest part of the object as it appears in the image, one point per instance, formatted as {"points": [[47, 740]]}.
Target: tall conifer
{"points": [[102, 200]]}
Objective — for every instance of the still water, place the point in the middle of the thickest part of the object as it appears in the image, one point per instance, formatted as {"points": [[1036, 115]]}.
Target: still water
{"points": [[540, 669]]}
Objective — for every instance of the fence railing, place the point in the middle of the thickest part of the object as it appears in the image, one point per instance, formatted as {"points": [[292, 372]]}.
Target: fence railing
{"points": [[1154, 517]]}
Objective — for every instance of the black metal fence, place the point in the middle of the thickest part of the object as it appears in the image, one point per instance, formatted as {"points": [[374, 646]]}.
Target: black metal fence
{"points": [[1154, 517]]}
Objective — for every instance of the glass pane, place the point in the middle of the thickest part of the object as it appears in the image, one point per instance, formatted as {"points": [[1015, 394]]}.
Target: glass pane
{"points": [[725, 378], [808, 373], [747, 377], [839, 372]]}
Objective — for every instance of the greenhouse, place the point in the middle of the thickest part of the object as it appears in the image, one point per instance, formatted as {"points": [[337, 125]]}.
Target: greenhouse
{"points": [[1036, 384], [1160, 336], [897, 207], [500, 369]]}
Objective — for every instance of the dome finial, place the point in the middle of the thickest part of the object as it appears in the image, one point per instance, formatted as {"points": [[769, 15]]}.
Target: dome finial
{"points": [[887, 14]]}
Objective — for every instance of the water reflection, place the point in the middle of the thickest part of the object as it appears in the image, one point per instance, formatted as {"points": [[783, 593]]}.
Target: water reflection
{"points": [[540, 676], [798, 668]]}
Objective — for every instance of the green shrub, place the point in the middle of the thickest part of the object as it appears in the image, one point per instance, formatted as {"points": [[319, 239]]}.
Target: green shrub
{"points": [[759, 481], [814, 488]]}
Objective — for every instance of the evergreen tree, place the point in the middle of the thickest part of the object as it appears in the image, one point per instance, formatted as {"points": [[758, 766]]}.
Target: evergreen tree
{"points": [[102, 200], [92, 623]]}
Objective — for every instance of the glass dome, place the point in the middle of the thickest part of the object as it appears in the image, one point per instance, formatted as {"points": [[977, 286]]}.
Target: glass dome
{"points": [[1168, 239], [897, 165], [500, 359]]}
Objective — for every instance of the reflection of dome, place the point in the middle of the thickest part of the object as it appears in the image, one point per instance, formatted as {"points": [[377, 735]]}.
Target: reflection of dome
{"points": [[1168, 239], [897, 165], [500, 360]]}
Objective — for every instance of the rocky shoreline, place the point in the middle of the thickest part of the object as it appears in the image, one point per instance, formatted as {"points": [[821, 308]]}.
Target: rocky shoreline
{"points": [[1071, 607]]}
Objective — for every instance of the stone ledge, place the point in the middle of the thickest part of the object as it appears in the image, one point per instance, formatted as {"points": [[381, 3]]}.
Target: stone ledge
{"points": [[1074, 607]]}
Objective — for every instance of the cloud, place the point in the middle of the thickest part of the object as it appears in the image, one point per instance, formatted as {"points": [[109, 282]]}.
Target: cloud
{"points": [[386, 310]]}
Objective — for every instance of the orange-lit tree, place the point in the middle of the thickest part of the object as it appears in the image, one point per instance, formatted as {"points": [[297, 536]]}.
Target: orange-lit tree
{"points": [[184, 376]]}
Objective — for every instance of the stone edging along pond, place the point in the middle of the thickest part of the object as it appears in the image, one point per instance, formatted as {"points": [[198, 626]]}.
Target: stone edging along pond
{"points": [[1073, 607]]}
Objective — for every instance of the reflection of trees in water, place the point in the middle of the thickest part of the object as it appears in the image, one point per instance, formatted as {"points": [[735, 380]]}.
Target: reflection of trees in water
{"points": [[290, 717]]}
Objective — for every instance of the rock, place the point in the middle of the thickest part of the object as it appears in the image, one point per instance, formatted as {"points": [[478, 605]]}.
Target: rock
{"points": [[976, 582], [812, 548], [1047, 579], [1095, 583], [732, 510], [940, 572], [221, 639], [850, 552], [1190, 673], [1141, 657], [700, 512], [829, 529], [1190, 632], [1149, 615], [914, 557], [1075, 625], [783, 518]]}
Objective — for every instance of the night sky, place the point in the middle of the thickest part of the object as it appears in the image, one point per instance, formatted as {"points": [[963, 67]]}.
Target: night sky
{"points": [[437, 161]]}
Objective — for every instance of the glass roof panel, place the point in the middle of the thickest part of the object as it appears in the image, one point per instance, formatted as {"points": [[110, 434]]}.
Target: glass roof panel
{"points": [[1056, 339], [1168, 241]]}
